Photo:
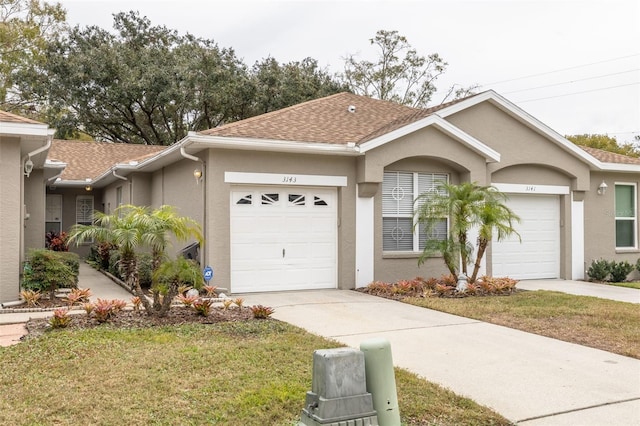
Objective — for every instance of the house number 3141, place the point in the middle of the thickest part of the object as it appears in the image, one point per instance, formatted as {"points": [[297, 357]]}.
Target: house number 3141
{"points": [[289, 179]]}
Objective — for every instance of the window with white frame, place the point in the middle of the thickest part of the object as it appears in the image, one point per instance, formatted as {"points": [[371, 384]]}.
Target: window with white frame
{"points": [[399, 190], [84, 209], [626, 215]]}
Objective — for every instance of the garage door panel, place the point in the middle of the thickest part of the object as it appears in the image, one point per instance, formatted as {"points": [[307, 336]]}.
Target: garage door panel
{"points": [[287, 243], [538, 254]]}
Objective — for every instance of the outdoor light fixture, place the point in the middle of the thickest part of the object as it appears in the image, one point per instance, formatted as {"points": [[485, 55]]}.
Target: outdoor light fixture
{"points": [[28, 167], [197, 174], [87, 186], [602, 188]]}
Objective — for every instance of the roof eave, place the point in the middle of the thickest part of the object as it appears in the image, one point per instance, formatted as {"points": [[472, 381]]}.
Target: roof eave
{"points": [[225, 142]]}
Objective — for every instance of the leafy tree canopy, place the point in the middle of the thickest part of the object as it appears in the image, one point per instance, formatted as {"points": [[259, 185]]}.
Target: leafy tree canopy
{"points": [[150, 85], [25, 28], [605, 143], [399, 73]]}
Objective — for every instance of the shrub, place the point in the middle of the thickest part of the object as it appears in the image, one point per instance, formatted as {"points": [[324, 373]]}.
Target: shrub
{"points": [[145, 270], [620, 270], [599, 270], [114, 264], [50, 270], [261, 312], [203, 306], [638, 265], [31, 297], [60, 318], [56, 242]]}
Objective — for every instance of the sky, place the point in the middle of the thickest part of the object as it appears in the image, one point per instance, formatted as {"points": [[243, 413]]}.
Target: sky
{"points": [[574, 65]]}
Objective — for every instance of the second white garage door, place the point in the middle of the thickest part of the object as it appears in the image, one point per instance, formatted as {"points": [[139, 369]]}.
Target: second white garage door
{"points": [[283, 238], [538, 255]]}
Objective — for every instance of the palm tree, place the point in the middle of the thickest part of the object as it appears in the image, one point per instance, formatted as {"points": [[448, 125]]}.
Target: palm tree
{"points": [[125, 229], [132, 228], [467, 205], [496, 219], [170, 276]]}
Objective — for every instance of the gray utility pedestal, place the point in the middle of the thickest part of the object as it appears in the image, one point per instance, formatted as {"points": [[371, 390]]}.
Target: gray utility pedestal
{"points": [[338, 393]]}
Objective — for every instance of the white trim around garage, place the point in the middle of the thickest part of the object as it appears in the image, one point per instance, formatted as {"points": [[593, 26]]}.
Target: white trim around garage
{"points": [[517, 188], [577, 240], [365, 230], [289, 179]]}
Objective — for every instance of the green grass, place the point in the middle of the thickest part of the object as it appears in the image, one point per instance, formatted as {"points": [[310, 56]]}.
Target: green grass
{"points": [[604, 324], [631, 284], [243, 373]]}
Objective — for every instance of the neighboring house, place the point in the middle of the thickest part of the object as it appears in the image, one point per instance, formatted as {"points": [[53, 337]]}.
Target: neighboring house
{"points": [[320, 195]]}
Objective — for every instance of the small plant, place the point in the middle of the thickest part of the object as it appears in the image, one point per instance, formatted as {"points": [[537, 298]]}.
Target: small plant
{"points": [[239, 301], [620, 270], [60, 318], [78, 295], [118, 305], [203, 306], [186, 300], [226, 303], [88, 308], [182, 289], [137, 302], [210, 290], [599, 270], [31, 297], [638, 265], [261, 312], [103, 309]]}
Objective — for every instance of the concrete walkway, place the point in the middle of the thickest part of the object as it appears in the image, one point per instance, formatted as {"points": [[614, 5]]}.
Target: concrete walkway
{"points": [[583, 288], [101, 288], [531, 380]]}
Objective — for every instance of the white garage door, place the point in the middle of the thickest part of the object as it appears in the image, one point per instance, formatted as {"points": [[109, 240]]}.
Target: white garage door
{"points": [[538, 255], [283, 238]]}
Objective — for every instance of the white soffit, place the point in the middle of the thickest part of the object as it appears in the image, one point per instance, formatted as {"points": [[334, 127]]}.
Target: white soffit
{"points": [[290, 179]]}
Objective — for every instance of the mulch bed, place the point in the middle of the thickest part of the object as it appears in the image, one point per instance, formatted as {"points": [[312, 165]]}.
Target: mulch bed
{"points": [[177, 315]]}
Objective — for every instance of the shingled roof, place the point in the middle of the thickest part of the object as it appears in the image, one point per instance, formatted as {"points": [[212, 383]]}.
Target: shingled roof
{"points": [[7, 117], [89, 159], [610, 157], [338, 119]]}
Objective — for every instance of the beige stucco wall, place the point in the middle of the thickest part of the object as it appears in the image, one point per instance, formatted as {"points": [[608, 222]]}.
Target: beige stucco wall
{"points": [[34, 201], [10, 218], [519, 145], [217, 248], [600, 231], [175, 185]]}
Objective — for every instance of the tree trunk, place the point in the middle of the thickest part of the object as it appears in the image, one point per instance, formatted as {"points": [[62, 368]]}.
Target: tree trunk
{"points": [[482, 246], [168, 299]]}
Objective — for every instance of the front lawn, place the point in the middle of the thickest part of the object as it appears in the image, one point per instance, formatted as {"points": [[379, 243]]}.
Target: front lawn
{"points": [[603, 324], [231, 373], [628, 284]]}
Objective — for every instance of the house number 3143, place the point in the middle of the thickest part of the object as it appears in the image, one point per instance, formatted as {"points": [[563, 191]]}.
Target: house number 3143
{"points": [[289, 179], [530, 189]]}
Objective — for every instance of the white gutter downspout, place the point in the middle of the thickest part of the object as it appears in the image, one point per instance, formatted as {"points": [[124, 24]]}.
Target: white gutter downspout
{"points": [[203, 258], [113, 171]]}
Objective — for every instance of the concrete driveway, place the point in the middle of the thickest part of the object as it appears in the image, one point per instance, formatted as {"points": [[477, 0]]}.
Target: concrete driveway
{"points": [[531, 380]]}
